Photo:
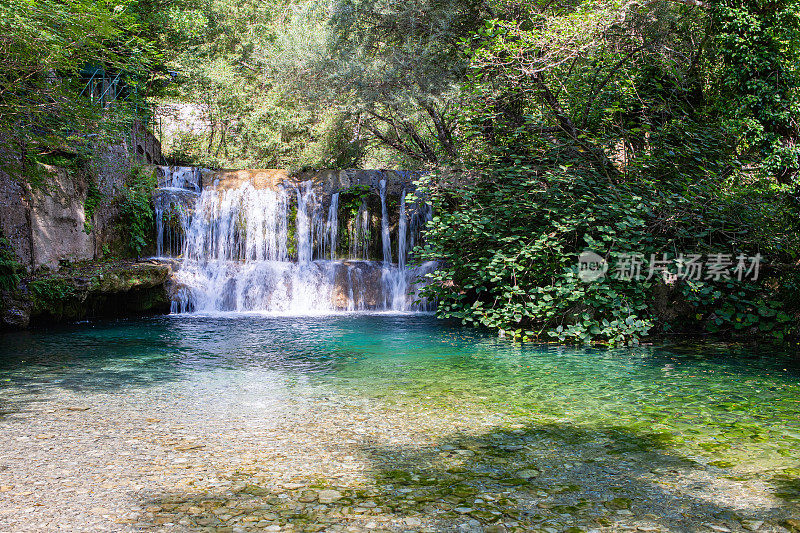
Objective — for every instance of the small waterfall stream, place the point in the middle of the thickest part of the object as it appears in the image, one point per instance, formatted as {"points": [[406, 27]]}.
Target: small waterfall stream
{"points": [[332, 227], [385, 236], [239, 250]]}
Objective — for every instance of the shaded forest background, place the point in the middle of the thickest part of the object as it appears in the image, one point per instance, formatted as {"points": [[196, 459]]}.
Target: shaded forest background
{"points": [[645, 127]]}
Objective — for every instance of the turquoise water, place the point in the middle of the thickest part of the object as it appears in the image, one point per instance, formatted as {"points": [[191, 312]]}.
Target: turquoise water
{"points": [[736, 408]]}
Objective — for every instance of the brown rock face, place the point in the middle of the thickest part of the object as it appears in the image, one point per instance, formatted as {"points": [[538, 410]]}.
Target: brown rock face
{"points": [[359, 281], [233, 179]]}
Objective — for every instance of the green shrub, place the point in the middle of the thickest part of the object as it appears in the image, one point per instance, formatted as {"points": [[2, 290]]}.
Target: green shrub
{"points": [[50, 289], [136, 214], [509, 245]]}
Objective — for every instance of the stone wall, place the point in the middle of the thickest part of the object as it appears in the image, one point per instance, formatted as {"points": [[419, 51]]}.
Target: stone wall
{"points": [[15, 217], [45, 224], [328, 181], [58, 219]]}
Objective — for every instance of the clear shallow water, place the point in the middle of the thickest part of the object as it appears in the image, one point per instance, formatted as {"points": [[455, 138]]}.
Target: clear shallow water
{"points": [[738, 407]]}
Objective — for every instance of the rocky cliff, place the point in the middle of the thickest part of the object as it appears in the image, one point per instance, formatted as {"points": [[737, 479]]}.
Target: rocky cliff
{"points": [[90, 290]]}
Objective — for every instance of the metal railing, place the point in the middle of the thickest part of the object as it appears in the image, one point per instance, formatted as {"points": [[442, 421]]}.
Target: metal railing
{"points": [[108, 85]]}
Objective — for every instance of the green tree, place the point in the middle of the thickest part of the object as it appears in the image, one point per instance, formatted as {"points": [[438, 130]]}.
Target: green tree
{"points": [[599, 126], [758, 44], [49, 49]]}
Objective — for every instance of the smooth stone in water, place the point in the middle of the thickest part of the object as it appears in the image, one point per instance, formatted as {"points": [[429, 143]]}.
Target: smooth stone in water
{"points": [[308, 496], [528, 473], [329, 496], [752, 525]]}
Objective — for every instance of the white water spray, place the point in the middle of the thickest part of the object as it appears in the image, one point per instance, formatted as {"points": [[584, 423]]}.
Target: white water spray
{"points": [[239, 253]]}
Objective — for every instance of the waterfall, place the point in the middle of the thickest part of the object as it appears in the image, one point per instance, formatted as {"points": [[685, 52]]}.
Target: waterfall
{"points": [[359, 245], [185, 178], [240, 250], [401, 233], [306, 204], [396, 279], [173, 204], [385, 237], [239, 225], [332, 227]]}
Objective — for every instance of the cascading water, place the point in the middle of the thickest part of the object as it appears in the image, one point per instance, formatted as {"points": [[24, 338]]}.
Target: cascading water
{"points": [[240, 251], [174, 203], [331, 238], [306, 200], [385, 235], [402, 228], [359, 245]]}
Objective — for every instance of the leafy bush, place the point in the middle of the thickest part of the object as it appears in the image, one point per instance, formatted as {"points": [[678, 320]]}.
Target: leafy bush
{"points": [[509, 246], [136, 214], [511, 256], [50, 289]]}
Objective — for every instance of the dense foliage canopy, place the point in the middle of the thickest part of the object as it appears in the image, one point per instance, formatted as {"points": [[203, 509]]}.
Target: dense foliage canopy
{"points": [[55, 55], [657, 131]]}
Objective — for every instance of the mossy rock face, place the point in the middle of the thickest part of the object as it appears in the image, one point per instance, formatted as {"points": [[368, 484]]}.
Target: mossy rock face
{"points": [[97, 290]]}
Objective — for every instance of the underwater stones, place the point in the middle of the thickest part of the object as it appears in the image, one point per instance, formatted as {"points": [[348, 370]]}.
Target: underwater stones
{"points": [[328, 496], [464, 491], [528, 473], [412, 521], [307, 496], [619, 504], [398, 476], [752, 525], [254, 490], [792, 524], [513, 481], [485, 515]]}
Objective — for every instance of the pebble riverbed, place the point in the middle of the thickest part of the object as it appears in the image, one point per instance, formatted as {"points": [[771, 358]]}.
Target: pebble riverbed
{"points": [[152, 459]]}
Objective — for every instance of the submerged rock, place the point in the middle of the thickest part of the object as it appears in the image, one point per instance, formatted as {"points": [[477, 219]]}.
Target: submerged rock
{"points": [[329, 496]]}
